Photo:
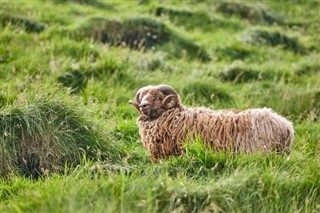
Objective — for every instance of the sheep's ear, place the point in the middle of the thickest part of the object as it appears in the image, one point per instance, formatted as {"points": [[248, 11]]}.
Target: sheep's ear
{"points": [[135, 105], [170, 102]]}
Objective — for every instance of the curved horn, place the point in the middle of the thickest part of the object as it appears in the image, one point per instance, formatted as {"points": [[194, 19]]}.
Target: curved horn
{"points": [[171, 100], [167, 90], [136, 102]]}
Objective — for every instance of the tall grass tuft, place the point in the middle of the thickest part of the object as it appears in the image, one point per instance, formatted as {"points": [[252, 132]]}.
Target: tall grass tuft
{"points": [[242, 74], [134, 32], [256, 13], [274, 38], [42, 136], [73, 79], [139, 33], [24, 23], [188, 18]]}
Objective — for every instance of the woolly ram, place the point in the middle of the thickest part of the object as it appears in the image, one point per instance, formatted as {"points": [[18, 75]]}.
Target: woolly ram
{"points": [[164, 123]]}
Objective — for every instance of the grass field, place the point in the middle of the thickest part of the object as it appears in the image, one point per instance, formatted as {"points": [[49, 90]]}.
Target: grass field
{"points": [[68, 137]]}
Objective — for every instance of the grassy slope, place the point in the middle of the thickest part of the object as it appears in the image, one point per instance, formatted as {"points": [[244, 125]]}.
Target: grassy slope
{"points": [[122, 178]]}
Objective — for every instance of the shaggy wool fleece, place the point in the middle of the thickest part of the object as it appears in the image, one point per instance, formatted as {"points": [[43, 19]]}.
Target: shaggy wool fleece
{"points": [[163, 129]]}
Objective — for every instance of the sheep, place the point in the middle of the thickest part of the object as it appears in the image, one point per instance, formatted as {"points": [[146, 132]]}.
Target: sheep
{"points": [[164, 124]]}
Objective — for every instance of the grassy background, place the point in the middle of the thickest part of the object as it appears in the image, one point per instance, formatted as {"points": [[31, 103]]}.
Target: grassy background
{"points": [[69, 140]]}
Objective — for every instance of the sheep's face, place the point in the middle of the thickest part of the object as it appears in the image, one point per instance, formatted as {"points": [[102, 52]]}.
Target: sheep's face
{"points": [[152, 101]]}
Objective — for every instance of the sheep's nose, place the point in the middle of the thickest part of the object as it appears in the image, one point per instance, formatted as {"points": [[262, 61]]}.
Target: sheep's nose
{"points": [[144, 105]]}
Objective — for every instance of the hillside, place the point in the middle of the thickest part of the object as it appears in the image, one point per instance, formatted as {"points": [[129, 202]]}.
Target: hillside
{"points": [[68, 137]]}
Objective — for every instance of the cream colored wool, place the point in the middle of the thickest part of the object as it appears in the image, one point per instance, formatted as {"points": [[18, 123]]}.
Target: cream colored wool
{"points": [[248, 131]]}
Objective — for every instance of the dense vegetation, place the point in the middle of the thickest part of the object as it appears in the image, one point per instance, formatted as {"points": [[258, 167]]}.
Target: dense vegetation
{"points": [[68, 137]]}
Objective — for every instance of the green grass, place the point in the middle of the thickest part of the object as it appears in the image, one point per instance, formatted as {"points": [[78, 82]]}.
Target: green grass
{"points": [[68, 137]]}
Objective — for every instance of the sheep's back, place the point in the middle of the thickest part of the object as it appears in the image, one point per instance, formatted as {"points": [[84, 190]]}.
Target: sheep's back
{"points": [[249, 131]]}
